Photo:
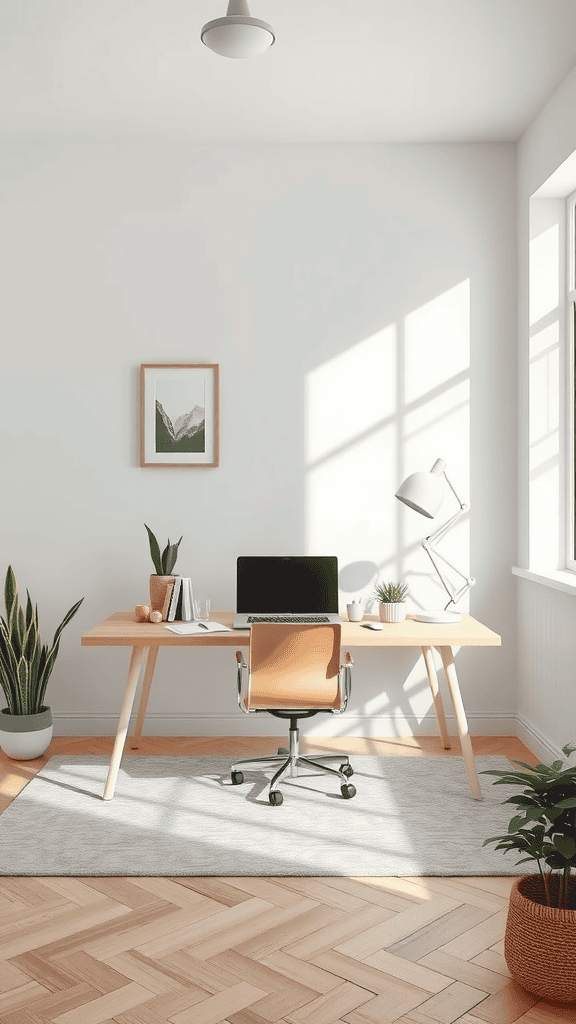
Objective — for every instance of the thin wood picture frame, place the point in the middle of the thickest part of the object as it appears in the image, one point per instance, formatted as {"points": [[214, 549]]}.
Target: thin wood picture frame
{"points": [[179, 414]]}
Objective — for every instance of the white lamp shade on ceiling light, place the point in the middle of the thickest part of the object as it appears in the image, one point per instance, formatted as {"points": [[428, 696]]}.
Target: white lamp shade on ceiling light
{"points": [[237, 35], [424, 491]]}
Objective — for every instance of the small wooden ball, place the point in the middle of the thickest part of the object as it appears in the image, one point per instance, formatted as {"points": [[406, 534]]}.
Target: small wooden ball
{"points": [[155, 616], [141, 613]]}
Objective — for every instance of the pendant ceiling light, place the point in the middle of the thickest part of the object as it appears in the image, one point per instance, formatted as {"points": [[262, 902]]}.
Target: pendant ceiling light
{"points": [[237, 35]]}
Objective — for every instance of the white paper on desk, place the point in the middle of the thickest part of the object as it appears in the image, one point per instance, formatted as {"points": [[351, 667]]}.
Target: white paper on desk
{"points": [[197, 628]]}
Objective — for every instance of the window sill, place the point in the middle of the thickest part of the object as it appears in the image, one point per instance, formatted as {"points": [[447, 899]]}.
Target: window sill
{"points": [[558, 579]]}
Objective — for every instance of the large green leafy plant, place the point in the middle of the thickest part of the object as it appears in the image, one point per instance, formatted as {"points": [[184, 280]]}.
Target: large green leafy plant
{"points": [[25, 662], [544, 829], [163, 563]]}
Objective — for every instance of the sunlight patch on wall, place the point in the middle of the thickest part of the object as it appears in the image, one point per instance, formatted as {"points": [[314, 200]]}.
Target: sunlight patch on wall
{"points": [[349, 395], [437, 343], [416, 698], [436, 424], [417, 692], [350, 406], [388, 406], [345, 498]]}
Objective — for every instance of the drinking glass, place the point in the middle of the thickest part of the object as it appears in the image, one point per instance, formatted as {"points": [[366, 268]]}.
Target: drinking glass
{"points": [[202, 609]]}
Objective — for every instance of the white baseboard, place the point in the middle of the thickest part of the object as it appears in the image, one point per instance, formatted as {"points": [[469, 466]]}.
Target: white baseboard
{"points": [[536, 741], [264, 725]]}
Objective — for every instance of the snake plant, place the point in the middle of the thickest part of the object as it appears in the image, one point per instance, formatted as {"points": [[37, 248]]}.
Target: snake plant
{"points": [[163, 563], [25, 662]]}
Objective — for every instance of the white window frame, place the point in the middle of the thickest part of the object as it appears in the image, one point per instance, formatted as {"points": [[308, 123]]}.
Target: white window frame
{"points": [[570, 390]]}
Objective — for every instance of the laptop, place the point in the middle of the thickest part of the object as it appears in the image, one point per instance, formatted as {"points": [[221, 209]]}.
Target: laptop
{"points": [[278, 588]]}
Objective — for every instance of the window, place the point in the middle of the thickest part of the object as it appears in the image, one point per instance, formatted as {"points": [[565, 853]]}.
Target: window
{"points": [[547, 466], [571, 380]]}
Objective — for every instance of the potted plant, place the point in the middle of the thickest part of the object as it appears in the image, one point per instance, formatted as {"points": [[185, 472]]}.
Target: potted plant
{"points": [[164, 564], [25, 667], [390, 597], [540, 938]]}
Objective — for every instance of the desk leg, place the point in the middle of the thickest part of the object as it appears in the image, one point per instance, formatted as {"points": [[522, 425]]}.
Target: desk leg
{"points": [[436, 696], [146, 687], [136, 660], [467, 752]]}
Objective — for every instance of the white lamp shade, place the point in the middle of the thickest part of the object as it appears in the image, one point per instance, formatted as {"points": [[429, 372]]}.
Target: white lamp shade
{"points": [[423, 491], [237, 36]]}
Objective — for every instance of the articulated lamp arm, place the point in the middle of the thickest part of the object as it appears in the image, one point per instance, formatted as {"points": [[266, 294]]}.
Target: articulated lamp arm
{"points": [[429, 545], [423, 492]]}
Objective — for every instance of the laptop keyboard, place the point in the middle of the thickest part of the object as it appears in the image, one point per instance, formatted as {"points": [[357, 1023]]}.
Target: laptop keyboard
{"points": [[288, 618]]}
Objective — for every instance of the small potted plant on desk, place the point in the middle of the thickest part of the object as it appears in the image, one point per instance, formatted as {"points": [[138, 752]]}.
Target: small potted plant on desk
{"points": [[164, 564], [390, 597], [25, 667], [540, 939]]}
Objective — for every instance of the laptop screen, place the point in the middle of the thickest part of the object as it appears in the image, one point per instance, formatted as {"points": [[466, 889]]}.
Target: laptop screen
{"points": [[281, 584]]}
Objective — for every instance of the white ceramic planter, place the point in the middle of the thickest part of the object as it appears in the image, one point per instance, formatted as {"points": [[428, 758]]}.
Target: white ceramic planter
{"points": [[24, 737], [393, 612]]}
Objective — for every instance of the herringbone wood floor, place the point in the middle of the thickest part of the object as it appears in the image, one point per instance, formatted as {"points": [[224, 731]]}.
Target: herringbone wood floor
{"points": [[258, 950]]}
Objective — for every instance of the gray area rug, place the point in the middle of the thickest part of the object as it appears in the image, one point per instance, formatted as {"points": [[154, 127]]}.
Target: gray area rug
{"points": [[182, 816]]}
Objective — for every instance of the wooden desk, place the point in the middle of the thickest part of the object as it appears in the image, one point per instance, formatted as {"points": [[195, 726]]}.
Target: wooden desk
{"points": [[145, 639]]}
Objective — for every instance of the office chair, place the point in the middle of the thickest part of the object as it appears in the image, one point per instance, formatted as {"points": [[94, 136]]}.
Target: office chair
{"points": [[294, 672]]}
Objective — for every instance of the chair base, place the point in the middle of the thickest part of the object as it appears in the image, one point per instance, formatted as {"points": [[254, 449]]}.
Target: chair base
{"points": [[289, 761]]}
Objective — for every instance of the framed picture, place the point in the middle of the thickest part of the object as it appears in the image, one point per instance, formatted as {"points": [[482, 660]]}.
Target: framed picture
{"points": [[179, 411]]}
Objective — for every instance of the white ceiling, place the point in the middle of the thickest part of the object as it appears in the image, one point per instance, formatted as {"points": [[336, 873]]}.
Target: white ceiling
{"points": [[340, 71]]}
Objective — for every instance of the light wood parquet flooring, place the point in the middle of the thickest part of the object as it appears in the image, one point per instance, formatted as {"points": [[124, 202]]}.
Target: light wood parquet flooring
{"points": [[258, 950]]}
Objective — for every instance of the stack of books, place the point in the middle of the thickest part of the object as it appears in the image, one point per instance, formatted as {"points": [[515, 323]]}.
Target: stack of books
{"points": [[179, 604]]}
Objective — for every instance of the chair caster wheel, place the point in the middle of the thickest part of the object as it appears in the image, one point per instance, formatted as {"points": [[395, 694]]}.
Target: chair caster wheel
{"points": [[347, 770], [237, 778], [275, 798], [348, 791]]}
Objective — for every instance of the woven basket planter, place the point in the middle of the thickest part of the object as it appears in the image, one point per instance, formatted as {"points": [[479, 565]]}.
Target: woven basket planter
{"points": [[540, 941]]}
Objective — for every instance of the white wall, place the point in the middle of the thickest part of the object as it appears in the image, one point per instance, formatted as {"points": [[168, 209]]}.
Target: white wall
{"points": [[360, 301], [546, 615]]}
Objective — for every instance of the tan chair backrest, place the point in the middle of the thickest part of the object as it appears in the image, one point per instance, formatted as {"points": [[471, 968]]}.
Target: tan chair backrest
{"points": [[294, 666]]}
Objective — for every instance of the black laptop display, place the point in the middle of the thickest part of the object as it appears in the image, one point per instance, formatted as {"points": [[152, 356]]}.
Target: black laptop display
{"points": [[280, 588]]}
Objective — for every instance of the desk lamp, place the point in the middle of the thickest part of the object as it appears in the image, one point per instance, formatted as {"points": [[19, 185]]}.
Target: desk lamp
{"points": [[424, 492]]}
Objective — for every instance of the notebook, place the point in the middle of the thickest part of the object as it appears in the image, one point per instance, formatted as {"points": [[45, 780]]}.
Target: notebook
{"points": [[286, 588]]}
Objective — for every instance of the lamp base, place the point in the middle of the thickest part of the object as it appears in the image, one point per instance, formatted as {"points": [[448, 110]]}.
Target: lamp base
{"points": [[437, 615]]}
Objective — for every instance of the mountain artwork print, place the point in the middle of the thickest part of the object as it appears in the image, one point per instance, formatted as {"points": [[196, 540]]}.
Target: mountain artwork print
{"points": [[180, 416]]}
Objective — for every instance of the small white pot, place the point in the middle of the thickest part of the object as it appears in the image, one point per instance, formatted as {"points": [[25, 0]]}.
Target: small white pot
{"points": [[24, 737], [393, 612]]}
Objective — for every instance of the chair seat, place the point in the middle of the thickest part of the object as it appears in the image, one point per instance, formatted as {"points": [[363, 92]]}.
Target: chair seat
{"points": [[286, 704]]}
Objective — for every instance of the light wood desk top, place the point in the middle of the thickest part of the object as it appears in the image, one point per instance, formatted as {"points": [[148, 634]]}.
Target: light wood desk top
{"points": [[120, 630]]}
